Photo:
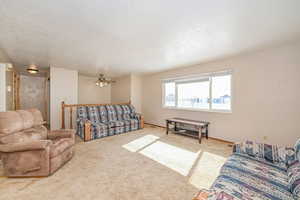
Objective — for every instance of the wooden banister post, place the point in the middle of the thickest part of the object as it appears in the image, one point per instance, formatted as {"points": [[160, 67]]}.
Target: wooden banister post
{"points": [[142, 121], [63, 115], [71, 117], [87, 131]]}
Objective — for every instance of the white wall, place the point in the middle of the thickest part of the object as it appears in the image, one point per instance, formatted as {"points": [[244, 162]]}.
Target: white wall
{"points": [[63, 87], [136, 92], [2, 87], [266, 97], [89, 93], [120, 91]]}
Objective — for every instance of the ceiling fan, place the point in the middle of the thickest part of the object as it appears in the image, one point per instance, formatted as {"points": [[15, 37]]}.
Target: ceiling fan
{"points": [[102, 81]]}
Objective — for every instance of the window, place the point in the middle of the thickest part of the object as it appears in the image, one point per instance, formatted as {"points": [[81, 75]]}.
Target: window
{"points": [[170, 94], [221, 92], [188, 98], [204, 92]]}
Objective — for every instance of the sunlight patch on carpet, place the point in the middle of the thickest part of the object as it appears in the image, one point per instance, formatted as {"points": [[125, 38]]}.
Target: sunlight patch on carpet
{"points": [[206, 170], [175, 158], [140, 143]]}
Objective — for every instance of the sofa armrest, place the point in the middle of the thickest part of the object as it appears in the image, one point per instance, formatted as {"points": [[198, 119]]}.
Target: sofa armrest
{"points": [[63, 133], [271, 153], [82, 121], [205, 194], [84, 129], [136, 116], [212, 194], [87, 131], [25, 146], [139, 117]]}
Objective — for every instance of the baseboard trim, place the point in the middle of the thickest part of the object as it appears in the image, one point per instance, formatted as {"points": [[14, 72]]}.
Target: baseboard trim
{"points": [[155, 125], [212, 138]]}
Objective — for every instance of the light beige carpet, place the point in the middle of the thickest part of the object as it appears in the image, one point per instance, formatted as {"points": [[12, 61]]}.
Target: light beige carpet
{"points": [[140, 165]]}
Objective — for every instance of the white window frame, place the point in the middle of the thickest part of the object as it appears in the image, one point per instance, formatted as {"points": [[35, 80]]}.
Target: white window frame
{"points": [[190, 79]]}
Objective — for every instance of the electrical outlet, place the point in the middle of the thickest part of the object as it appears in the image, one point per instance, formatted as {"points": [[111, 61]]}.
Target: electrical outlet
{"points": [[265, 137]]}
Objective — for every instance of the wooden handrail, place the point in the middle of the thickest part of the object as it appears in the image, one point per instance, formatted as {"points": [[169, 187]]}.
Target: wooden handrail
{"points": [[77, 105], [70, 106]]}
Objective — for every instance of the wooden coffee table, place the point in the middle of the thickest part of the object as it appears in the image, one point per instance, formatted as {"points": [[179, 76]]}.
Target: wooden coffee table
{"points": [[199, 125]]}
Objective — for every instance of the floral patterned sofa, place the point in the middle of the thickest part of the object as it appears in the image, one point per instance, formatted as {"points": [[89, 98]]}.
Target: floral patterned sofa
{"points": [[257, 171], [95, 122]]}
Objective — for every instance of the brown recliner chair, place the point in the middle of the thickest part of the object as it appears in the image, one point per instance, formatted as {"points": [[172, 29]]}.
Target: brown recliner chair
{"points": [[27, 149]]}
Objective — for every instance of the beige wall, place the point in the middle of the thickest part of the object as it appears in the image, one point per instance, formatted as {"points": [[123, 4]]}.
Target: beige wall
{"points": [[88, 92], [128, 88], [63, 87], [120, 91], [2, 87], [4, 57], [136, 92], [266, 97]]}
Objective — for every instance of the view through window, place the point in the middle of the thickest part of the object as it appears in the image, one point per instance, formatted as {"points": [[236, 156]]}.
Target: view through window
{"points": [[209, 92]]}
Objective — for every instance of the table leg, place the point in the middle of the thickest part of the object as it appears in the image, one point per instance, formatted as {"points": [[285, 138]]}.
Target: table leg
{"points": [[175, 126], [200, 134], [167, 127], [206, 131]]}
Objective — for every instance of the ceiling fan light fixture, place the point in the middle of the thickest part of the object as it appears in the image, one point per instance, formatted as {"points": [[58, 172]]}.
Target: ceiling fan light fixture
{"points": [[102, 81], [32, 69]]}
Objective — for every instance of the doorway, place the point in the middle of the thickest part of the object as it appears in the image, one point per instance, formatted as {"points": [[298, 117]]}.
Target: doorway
{"points": [[32, 91]]}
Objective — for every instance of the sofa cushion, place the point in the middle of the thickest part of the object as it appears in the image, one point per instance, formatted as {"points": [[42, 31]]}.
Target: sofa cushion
{"points": [[14, 138], [294, 179], [133, 124], [82, 112], [103, 114], [99, 130], [111, 113], [37, 117], [116, 123], [59, 146], [10, 122], [93, 114], [127, 111], [245, 177], [27, 118], [119, 111], [34, 133], [42, 130], [272, 153]]}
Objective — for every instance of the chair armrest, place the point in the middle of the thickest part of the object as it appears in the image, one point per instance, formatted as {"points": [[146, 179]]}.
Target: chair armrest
{"points": [[25, 146], [271, 153], [63, 133]]}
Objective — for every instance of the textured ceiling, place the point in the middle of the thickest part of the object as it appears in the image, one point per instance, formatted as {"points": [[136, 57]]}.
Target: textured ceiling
{"points": [[140, 36]]}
